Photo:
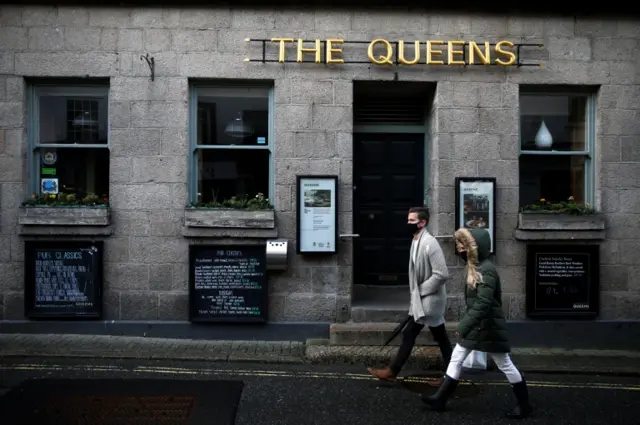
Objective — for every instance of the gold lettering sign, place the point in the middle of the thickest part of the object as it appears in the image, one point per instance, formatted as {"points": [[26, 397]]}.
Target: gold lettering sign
{"points": [[385, 52], [381, 60]]}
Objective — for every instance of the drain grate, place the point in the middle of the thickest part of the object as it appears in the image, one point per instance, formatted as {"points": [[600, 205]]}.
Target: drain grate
{"points": [[103, 410]]}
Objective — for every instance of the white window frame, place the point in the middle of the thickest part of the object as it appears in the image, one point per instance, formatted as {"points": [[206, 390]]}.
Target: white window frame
{"points": [[589, 143], [213, 89], [35, 92]]}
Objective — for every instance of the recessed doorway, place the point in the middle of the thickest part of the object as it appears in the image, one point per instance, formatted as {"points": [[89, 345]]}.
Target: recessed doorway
{"points": [[390, 169]]}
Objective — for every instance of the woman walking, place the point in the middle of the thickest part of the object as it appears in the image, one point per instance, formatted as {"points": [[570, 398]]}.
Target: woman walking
{"points": [[483, 327]]}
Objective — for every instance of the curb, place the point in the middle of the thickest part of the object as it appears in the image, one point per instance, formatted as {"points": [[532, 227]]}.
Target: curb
{"points": [[540, 361], [313, 352], [232, 358]]}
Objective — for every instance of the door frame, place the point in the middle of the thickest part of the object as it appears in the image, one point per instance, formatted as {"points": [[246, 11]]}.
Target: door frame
{"points": [[397, 129]]}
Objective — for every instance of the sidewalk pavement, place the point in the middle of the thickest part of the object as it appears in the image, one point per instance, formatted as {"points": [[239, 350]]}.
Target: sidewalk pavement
{"points": [[540, 360]]}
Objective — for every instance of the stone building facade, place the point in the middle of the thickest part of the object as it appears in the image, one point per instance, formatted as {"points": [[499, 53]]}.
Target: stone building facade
{"points": [[473, 130]]}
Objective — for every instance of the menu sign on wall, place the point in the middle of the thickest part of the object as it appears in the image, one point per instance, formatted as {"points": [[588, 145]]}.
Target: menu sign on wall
{"points": [[317, 206], [227, 283], [563, 280], [63, 279], [476, 205]]}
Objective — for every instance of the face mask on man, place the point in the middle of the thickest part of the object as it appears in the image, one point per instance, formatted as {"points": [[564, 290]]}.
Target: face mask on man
{"points": [[413, 228]]}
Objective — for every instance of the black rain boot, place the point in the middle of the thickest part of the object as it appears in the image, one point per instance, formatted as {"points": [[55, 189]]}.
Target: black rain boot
{"points": [[523, 408], [438, 401]]}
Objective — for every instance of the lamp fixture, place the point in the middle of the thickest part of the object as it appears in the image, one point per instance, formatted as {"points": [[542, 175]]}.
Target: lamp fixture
{"points": [[238, 128], [83, 119]]}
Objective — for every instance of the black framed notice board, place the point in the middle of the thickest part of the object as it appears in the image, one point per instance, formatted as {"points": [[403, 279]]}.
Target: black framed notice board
{"points": [[476, 205], [63, 279], [316, 214], [563, 281], [228, 283]]}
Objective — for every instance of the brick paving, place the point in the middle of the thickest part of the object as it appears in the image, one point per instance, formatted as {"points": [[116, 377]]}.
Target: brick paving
{"points": [[287, 352]]}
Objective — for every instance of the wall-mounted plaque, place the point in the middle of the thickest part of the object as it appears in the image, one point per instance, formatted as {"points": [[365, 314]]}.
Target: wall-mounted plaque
{"points": [[317, 218], [563, 281], [63, 280], [476, 205], [227, 283]]}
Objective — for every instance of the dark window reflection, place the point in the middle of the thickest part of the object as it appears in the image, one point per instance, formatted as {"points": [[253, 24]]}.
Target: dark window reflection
{"points": [[78, 171], [563, 115], [233, 117], [75, 120], [225, 173], [554, 178]]}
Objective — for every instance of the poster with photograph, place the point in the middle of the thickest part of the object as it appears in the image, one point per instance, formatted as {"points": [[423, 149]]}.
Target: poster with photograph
{"points": [[317, 218], [475, 205]]}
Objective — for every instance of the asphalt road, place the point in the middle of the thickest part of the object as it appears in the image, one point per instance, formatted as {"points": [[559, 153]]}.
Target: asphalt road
{"points": [[307, 395]]}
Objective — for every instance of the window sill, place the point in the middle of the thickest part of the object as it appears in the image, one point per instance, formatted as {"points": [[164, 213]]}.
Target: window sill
{"points": [[229, 218], [64, 216], [71, 221], [554, 226]]}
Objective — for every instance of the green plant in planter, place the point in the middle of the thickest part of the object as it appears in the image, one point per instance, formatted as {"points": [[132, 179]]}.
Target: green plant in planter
{"points": [[258, 202], [564, 207], [66, 200]]}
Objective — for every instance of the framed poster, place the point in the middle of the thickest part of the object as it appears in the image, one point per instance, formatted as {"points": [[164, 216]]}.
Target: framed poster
{"points": [[228, 283], [317, 218], [476, 205], [63, 279], [563, 281]]}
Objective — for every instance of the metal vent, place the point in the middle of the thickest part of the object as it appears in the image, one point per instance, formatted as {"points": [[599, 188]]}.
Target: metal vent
{"points": [[389, 109]]}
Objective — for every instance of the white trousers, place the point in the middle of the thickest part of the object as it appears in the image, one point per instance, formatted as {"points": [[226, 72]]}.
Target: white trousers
{"points": [[502, 360]]}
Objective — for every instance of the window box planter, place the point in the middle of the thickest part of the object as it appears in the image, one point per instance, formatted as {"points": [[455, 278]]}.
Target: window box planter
{"points": [[547, 226], [46, 215], [230, 218], [560, 221]]}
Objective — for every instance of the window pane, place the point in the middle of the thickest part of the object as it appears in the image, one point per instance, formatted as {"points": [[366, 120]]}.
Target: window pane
{"points": [[554, 178], [234, 116], [74, 171], [563, 116], [224, 173], [72, 120]]}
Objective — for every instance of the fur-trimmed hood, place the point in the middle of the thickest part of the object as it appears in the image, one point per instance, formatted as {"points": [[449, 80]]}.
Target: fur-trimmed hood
{"points": [[477, 244]]}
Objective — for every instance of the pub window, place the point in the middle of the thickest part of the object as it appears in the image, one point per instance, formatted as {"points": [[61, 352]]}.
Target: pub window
{"points": [[68, 136], [231, 143], [557, 131]]}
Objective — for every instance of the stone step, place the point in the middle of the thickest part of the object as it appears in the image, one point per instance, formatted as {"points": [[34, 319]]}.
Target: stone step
{"points": [[379, 303], [371, 314], [376, 333]]}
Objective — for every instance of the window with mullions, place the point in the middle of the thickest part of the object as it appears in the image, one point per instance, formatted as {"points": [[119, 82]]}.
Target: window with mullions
{"points": [[69, 155], [231, 143], [557, 132]]}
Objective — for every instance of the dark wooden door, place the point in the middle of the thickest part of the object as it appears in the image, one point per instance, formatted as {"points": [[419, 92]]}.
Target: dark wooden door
{"points": [[388, 179]]}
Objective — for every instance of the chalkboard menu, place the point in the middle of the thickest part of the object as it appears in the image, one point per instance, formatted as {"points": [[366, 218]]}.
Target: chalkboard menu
{"points": [[63, 279], [227, 283], [563, 281]]}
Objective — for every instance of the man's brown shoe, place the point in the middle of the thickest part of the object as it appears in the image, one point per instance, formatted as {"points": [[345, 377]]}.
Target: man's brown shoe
{"points": [[383, 374]]}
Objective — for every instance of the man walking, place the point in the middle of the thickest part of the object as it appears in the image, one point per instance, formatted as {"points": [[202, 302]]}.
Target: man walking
{"points": [[427, 276]]}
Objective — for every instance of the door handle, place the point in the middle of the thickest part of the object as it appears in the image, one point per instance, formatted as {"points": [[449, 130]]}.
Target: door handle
{"points": [[350, 235]]}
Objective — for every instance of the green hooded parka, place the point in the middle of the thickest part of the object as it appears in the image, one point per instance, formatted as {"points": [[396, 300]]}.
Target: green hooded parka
{"points": [[484, 327]]}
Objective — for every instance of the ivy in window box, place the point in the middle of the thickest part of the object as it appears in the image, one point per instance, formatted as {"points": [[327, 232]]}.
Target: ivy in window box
{"points": [[258, 202], [236, 212], [65, 210], [67, 200], [565, 207]]}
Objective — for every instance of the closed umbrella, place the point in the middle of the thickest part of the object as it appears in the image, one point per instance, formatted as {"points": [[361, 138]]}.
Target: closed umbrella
{"points": [[397, 330]]}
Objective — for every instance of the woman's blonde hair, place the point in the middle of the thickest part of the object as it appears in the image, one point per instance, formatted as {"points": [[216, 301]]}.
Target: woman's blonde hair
{"points": [[466, 242]]}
